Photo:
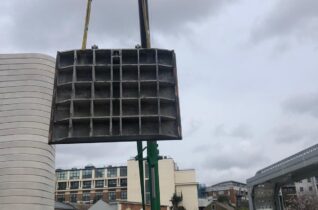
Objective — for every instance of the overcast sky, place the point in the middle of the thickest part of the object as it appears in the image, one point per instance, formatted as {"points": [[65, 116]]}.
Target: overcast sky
{"points": [[247, 74]]}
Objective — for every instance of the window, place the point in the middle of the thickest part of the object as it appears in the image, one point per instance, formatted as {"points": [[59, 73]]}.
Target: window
{"points": [[123, 182], [87, 174], [147, 197], [111, 196], [98, 196], [74, 185], [99, 183], [123, 171], [73, 197], [99, 173], [147, 186], [60, 197], [86, 196], [87, 184], [146, 169], [61, 175], [61, 185], [123, 195], [301, 189], [147, 190], [75, 174], [111, 172], [112, 183], [310, 188], [309, 180]]}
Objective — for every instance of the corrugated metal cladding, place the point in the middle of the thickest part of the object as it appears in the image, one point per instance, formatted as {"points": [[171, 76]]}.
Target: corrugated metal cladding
{"points": [[105, 95], [26, 159]]}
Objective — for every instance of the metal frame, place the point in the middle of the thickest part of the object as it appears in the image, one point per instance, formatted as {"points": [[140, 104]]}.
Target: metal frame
{"points": [[136, 89]]}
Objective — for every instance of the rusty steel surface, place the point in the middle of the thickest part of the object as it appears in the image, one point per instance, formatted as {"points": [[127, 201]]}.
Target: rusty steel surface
{"points": [[115, 95]]}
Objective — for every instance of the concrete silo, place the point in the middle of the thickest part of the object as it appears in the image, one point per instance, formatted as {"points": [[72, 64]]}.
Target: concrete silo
{"points": [[27, 171]]}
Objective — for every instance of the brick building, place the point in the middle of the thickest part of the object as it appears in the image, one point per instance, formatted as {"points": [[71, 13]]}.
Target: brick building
{"points": [[89, 184], [122, 185], [231, 189]]}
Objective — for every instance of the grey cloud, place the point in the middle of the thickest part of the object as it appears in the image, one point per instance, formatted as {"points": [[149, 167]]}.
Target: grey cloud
{"points": [[288, 134], [241, 131], [58, 24], [169, 16], [302, 124], [237, 157], [202, 149], [220, 131], [288, 17], [100, 154], [303, 104], [191, 127]]}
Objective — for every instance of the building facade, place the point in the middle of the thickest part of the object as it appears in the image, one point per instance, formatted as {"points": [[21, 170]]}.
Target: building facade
{"points": [[307, 186], [90, 184], [300, 193], [235, 191], [26, 159], [122, 184], [171, 180]]}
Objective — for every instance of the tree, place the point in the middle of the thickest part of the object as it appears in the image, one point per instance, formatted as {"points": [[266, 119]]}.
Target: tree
{"points": [[175, 200], [223, 199], [243, 206], [303, 202]]}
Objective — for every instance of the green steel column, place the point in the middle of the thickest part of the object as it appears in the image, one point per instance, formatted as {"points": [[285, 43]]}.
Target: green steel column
{"points": [[141, 172], [152, 157]]}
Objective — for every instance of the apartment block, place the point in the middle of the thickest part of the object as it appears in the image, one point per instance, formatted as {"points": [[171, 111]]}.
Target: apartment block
{"points": [[307, 186], [121, 184], [90, 184]]}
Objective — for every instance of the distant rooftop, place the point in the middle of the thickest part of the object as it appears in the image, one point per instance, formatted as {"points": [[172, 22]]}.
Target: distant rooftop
{"points": [[102, 205], [63, 206], [90, 167], [230, 182], [226, 185]]}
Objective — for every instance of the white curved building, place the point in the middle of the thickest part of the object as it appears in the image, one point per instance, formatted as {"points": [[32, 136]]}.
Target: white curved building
{"points": [[26, 160]]}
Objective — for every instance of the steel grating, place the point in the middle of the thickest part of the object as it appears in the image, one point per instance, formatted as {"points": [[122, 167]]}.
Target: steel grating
{"points": [[109, 95]]}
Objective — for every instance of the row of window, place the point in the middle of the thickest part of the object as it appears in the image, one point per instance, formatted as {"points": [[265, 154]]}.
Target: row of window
{"points": [[310, 188], [308, 180], [88, 184], [87, 196], [88, 173]]}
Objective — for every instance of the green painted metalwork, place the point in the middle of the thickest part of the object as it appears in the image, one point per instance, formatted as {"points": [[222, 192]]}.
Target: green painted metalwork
{"points": [[141, 172], [152, 158]]}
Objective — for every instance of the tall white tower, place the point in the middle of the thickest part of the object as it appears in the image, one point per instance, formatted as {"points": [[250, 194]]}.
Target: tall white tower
{"points": [[26, 160]]}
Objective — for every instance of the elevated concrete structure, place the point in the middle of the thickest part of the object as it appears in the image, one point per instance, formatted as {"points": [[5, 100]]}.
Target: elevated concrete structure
{"points": [[26, 159], [264, 188]]}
